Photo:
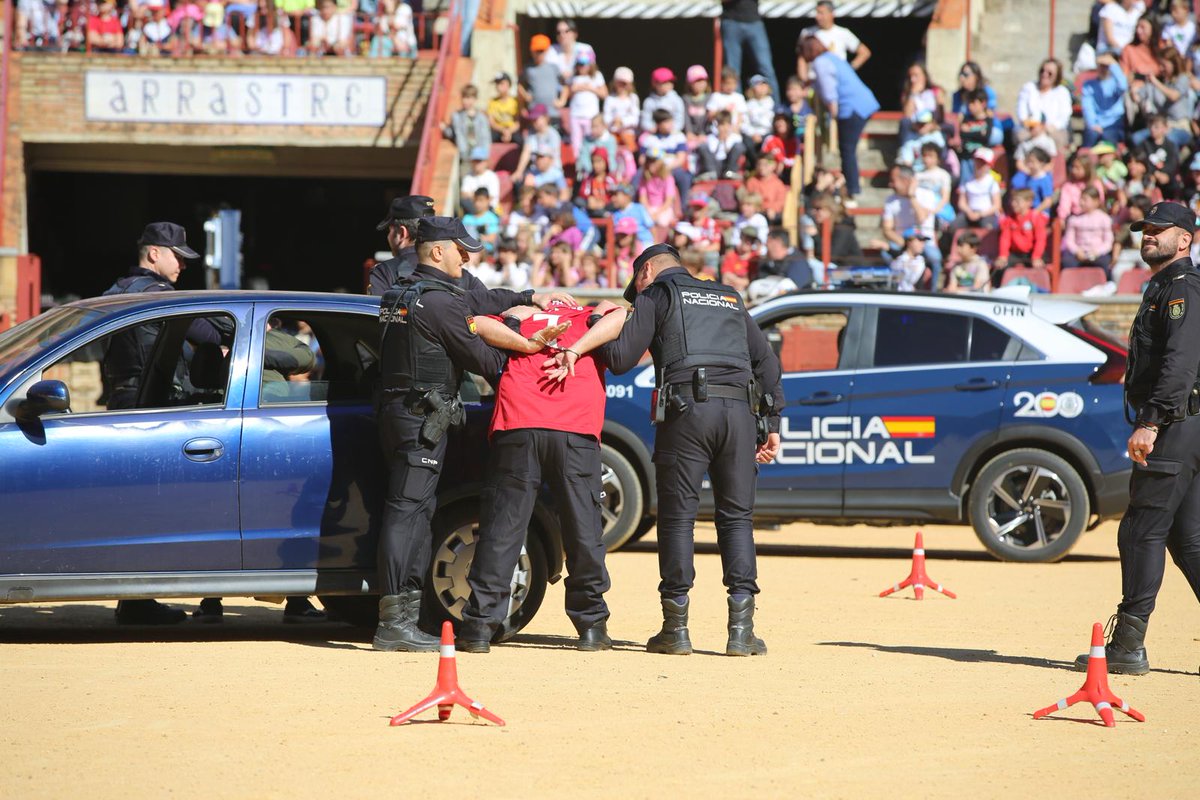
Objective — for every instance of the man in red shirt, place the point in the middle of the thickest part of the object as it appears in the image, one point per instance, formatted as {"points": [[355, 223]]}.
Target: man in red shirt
{"points": [[543, 430]]}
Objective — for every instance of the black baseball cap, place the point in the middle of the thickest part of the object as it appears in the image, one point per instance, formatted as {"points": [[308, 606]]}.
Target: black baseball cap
{"points": [[167, 234], [412, 206], [647, 254], [447, 229], [1171, 215]]}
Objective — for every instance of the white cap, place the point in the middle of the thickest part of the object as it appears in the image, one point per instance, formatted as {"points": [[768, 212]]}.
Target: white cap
{"points": [[623, 74]]}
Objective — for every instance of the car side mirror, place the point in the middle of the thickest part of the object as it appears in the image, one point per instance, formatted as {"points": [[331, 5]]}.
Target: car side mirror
{"points": [[42, 397]]}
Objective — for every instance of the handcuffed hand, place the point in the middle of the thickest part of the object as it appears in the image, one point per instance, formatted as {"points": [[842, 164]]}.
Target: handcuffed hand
{"points": [[543, 338], [561, 365]]}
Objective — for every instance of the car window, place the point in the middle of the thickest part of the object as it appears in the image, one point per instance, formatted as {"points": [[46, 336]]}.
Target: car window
{"points": [[319, 357], [170, 363], [908, 337], [43, 331], [810, 341]]}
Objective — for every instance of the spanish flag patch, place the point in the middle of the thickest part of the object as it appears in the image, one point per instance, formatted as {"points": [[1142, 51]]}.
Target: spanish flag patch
{"points": [[471, 325]]}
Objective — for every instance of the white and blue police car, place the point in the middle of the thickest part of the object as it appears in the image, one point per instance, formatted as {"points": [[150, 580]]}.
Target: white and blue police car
{"points": [[1002, 411]]}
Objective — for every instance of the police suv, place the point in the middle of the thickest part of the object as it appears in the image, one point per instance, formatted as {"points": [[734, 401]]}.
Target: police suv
{"points": [[999, 410]]}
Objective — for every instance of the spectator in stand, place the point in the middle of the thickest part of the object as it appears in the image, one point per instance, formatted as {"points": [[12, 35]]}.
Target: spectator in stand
{"points": [[214, 31], [1110, 170], [908, 266], [1038, 138], [1118, 21], [503, 111], [565, 53], [1162, 155], [826, 212], [268, 37], [919, 94], [104, 32], [70, 20], [1139, 59], [626, 247], [524, 211], [540, 138], [979, 198], [1088, 238], [760, 112], [1180, 32], [1047, 99], [782, 145], [836, 39], [657, 191], [481, 176], [622, 110], [970, 79], [596, 188], [1103, 102], [663, 96], [780, 270], [590, 276], [1140, 182], [765, 183], [186, 18], [331, 33], [826, 181], [469, 127], [545, 171], [482, 222], [932, 177], [796, 96], [1022, 234], [625, 163], [1171, 95], [749, 216], [625, 207], [1191, 193], [582, 96], [1126, 252], [970, 272], [394, 32], [742, 28], [849, 101], [1035, 176], [740, 263], [665, 138], [133, 35], [975, 132], [541, 81], [563, 229], [928, 132], [910, 206], [729, 99], [36, 27], [558, 270], [702, 229], [513, 274], [156, 38], [695, 105], [598, 140]]}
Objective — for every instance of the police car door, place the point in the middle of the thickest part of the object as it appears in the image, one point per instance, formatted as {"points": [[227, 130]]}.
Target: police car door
{"points": [[815, 344], [931, 382]]}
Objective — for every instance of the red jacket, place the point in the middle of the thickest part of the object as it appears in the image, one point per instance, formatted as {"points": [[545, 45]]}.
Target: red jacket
{"points": [[1025, 234]]}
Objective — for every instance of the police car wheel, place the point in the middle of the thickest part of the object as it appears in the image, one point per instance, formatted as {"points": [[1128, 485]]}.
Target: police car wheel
{"points": [[1028, 505], [622, 503], [446, 589]]}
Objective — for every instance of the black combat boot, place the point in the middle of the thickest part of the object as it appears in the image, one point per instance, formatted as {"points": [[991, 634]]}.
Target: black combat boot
{"points": [[742, 641], [473, 637], [673, 639], [594, 638], [148, 612], [1126, 648], [398, 625]]}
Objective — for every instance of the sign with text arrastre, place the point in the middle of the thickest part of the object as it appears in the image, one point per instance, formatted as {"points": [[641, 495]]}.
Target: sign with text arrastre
{"points": [[241, 99]]}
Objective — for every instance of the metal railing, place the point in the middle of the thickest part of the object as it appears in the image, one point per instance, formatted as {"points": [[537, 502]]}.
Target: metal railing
{"points": [[439, 98]]}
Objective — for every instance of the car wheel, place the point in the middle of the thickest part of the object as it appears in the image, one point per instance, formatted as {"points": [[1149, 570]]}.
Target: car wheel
{"points": [[361, 610], [621, 506], [1028, 505], [446, 588]]}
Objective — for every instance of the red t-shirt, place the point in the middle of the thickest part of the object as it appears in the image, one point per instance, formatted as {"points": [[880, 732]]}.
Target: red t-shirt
{"points": [[526, 398]]}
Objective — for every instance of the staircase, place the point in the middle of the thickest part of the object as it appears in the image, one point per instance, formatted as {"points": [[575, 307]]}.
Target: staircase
{"points": [[876, 152]]}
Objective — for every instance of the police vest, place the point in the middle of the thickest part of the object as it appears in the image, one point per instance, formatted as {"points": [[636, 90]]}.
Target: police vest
{"points": [[409, 361], [133, 285], [128, 351], [705, 326]]}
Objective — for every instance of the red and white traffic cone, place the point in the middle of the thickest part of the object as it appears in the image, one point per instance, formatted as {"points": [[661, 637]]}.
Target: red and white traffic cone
{"points": [[446, 694], [1095, 687], [918, 579]]}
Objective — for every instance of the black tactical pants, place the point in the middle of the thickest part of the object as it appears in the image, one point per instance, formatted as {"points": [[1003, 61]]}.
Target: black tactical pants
{"points": [[718, 437], [406, 535], [519, 462], [1163, 514]]}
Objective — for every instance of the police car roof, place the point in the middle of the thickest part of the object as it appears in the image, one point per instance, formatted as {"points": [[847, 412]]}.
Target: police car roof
{"points": [[140, 300], [1049, 308]]}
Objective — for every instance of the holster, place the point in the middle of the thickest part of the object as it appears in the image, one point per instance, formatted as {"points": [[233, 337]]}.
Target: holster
{"points": [[764, 407], [440, 415]]}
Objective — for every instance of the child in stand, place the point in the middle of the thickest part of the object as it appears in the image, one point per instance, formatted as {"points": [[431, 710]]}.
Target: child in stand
{"points": [[626, 248], [1022, 234], [908, 268], [694, 105], [701, 229], [513, 274], [503, 111], [766, 183], [624, 166], [658, 192], [728, 99], [598, 139], [721, 153], [749, 216], [1080, 175], [971, 273], [796, 106], [1127, 249], [760, 113], [1139, 183], [782, 144], [582, 96], [933, 177], [590, 276], [928, 132], [596, 189], [481, 175], [740, 265], [979, 198], [974, 132], [1088, 239], [1036, 177], [523, 211], [622, 111], [1111, 171], [482, 222]]}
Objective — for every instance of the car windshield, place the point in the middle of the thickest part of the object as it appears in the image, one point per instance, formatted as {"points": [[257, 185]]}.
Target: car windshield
{"points": [[42, 332]]}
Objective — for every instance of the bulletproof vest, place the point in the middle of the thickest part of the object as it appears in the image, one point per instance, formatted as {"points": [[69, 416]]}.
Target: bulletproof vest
{"points": [[409, 361], [133, 285], [705, 326], [129, 350]]}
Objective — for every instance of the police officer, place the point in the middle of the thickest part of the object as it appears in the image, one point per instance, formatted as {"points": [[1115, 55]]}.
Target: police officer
{"points": [[714, 372], [429, 339], [161, 247], [1160, 386]]}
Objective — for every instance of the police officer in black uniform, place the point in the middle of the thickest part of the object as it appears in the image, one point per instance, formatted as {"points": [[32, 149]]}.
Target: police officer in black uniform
{"points": [[401, 226], [717, 409], [161, 248], [1161, 388]]}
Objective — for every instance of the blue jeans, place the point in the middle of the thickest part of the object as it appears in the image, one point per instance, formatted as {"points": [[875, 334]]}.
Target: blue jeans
{"points": [[753, 35], [849, 131], [1112, 134], [470, 10], [1177, 135]]}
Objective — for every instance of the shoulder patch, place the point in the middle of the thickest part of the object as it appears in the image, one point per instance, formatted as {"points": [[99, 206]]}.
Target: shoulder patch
{"points": [[1175, 309], [472, 327]]}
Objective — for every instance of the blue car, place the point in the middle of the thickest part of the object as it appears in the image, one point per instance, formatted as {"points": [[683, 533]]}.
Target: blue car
{"points": [[992, 410], [224, 478]]}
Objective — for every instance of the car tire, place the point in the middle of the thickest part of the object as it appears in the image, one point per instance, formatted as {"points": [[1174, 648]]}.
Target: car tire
{"points": [[623, 499], [446, 590], [1028, 521]]}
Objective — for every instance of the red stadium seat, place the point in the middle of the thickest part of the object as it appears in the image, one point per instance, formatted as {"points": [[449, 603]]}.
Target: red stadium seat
{"points": [[505, 156], [1077, 280], [1134, 281], [1038, 277]]}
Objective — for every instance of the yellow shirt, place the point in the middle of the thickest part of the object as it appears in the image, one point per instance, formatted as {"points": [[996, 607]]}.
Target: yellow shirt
{"points": [[502, 111]]}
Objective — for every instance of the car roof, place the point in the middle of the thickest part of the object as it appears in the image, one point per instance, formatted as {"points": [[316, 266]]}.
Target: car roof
{"points": [[139, 300], [1003, 302]]}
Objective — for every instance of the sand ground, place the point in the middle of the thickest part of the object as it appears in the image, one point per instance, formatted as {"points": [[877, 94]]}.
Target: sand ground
{"points": [[859, 696]]}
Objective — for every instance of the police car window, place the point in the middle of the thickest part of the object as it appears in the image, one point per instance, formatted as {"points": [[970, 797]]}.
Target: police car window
{"points": [[811, 341], [176, 362], [907, 337], [318, 357], [989, 343]]}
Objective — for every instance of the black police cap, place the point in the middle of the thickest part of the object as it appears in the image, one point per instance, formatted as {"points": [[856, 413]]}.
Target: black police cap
{"points": [[1171, 215], [412, 206], [167, 234], [444, 229], [647, 254]]}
